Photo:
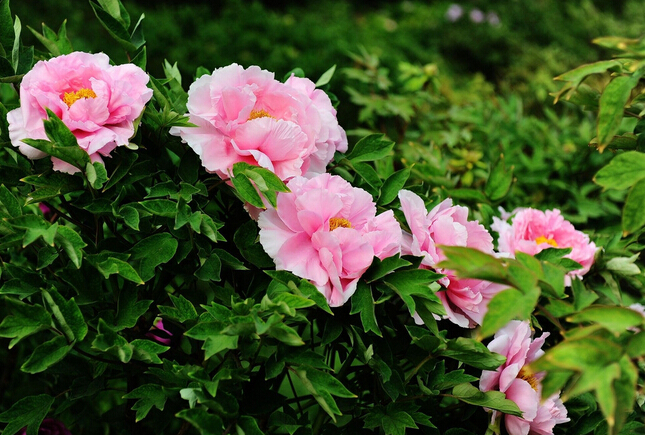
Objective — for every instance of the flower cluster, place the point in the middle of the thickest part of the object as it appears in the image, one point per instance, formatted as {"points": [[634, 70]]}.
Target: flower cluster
{"points": [[520, 385]]}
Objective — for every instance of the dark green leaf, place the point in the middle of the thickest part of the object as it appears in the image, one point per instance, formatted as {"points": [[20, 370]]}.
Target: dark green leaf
{"points": [[107, 340], [612, 103], [393, 185], [27, 412], [46, 355], [71, 243], [67, 314], [633, 216], [25, 320], [114, 27], [151, 252], [10, 202], [200, 418], [149, 395], [147, 350], [363, 303], [491, 399], [473, 353], [505, 306], [370, 148], [130, 310], [499, 181]]}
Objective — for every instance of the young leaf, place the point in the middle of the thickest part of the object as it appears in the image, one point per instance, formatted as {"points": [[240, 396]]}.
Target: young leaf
{"points": [[326, 77]]}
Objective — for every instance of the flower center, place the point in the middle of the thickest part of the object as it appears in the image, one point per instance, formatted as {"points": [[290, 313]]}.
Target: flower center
{"points": [[255, 114], [339, 222], [71, 97], [543, 239], [528, 377]]}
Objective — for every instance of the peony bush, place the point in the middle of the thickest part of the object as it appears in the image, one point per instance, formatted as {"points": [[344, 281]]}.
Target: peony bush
{"points": [[236, 265]]}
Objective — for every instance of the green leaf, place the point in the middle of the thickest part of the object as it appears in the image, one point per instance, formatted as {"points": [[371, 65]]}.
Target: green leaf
{"points": [[107, 340], [624, 265], [210, 270], [6, 26], [326, 77], [412, 282], [577, 75], [112, 266], [46, 355], [370, 148], [200, 418], [183, 309], [246, 240], [25, 320], [578, 355], [300, 287], [117, 11], [130, 216], [633, 216], [322, 386], [247, 425], [612, 103], [473, 353], [472, 263], [491, 399], [247, 190], [71, 243], [379, 268], [582, 297], [67, 314], [129, 310], [147, 350], [27, 412], [96, 174], [285, 334], [160, 207], [10, 202], [635, 346], [149, 395], [499, 181], [393, 185], [56, 44], [505, 306], [393, 422], [46, 256], [363, 303], [616, 319], [623, 171], [114, 27], [151, 252], [217, 343]]}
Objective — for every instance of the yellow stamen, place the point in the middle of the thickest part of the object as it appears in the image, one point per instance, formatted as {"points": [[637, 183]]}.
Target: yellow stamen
{"points": [[71, 97], [543, 239], [259, 114], [528, 377], [339, 222]]}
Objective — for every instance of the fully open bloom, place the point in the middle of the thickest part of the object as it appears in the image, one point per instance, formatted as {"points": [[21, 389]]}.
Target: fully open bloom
{"points": [[521, 386], [98, 102], [532, 231], [465, 300], [327, 231], [245, 115]]}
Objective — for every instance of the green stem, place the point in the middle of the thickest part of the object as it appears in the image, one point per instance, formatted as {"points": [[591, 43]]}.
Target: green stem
{"points": [[416, 369]]}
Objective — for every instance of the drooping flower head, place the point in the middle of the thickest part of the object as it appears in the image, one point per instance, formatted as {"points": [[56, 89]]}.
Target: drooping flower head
{"points": [[532, 231], [245, 115], [520, 385], [465, 300], [98, 102], [327, 231]]}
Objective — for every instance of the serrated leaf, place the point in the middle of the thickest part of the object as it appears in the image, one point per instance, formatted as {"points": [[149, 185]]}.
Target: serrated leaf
{"points": [[149, 395], [27, 412]]}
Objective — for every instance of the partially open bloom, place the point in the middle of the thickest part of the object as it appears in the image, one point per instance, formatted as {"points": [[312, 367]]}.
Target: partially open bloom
{"points": [[98, 102], [520, 385], [245, 115], [49, 426], [159, 333], [327, 231], [465, 300], [532, 231]]}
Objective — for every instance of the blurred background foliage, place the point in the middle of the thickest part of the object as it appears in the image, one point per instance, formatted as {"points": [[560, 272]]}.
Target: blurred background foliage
{"points": [[456, 85]]}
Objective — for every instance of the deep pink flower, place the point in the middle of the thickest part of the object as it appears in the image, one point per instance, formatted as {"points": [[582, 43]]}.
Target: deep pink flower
{"points": [[465, 300], [159, 333], [49, 426], [532, 231], [98, 102], [521, 386], [245, 115], [327, 231]]}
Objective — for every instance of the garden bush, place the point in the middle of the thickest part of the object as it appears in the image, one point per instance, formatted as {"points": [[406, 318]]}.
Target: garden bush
{"points": [[233, 259]]}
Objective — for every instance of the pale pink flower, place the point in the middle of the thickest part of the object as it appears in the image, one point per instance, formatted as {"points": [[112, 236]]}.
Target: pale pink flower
{"points": [[521, 386], [532, 231], [98, 102], [327, 231], [465, 300], [245, 115]]}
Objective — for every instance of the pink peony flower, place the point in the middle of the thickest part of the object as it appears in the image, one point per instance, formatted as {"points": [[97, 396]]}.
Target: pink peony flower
{"points": [[159, 333], [465, 300], [327, 231], [522, 387], [49, 426], [245, 115], [532, 231], [98, 102]]}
